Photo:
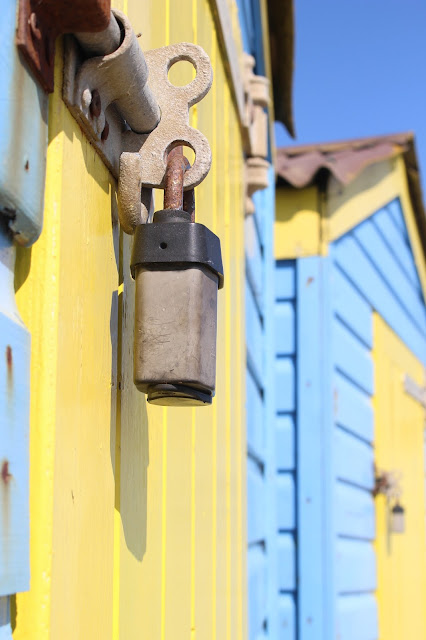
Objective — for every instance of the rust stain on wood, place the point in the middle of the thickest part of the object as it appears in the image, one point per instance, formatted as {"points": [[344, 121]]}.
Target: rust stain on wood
{"points": [[5, 473], [9, 364], [5, 480]]}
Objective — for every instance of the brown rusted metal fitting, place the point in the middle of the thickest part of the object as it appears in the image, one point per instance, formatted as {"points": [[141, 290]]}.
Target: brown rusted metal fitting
{"points": [[105, 131], [40, 22], [95, 104], [189, 195], [173, 187], [174, 195]]}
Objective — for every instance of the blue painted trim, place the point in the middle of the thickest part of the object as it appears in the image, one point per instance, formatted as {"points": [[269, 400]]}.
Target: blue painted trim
{"points": [[23, 135], [15, 347], [251, 31], [315, 469], [284, 366], [259, 287], [269, 399]]}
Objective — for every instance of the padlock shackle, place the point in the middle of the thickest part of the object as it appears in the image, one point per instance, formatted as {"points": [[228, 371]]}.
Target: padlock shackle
{"points": [[174, 195], [173, 183]]}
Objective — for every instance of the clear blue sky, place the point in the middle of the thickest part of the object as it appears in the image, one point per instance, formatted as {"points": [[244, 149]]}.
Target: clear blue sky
{"points": [[360, 70]]}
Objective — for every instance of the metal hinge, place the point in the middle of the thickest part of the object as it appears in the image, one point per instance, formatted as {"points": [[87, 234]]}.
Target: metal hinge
{"points": [[40, 22], [137, 156]]}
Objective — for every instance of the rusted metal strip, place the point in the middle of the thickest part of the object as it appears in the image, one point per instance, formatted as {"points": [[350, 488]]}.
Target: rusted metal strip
{"points": [[40, 22], [173, 189], [174, 195], [102, 42], [189, 196]]}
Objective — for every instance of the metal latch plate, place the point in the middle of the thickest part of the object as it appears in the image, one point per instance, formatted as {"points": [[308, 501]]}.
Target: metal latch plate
{"points": [[40, 22], [83, 77]]}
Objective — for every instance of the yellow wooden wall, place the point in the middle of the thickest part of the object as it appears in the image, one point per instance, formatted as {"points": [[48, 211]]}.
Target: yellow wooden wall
{"points": [[137, 512], [399, 424]]}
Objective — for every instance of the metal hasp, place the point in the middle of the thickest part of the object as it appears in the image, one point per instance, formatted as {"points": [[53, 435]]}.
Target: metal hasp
{"points": [[40, 22], [115, 89], [117, 98], [177, 267]]}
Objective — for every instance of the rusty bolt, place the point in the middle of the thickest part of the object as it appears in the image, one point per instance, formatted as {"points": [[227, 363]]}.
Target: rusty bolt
{"points": [[5, 474], [95, 104], [105, 132], [36, 33], [189, 196], [9, 358]]}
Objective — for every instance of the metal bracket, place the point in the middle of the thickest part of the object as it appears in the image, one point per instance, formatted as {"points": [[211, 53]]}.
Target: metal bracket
{"points": [[138, 158], [417, 392], [40, 22], [255, 132]]}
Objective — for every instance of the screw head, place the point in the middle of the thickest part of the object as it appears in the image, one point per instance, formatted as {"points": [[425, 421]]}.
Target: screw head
{"points": [[95, 104]]}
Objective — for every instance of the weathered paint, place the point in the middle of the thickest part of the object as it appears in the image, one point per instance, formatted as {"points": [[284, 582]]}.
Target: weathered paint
{"points": [[23, 136], [399, 424], [14, 431], [138, 513], [297, 230]]}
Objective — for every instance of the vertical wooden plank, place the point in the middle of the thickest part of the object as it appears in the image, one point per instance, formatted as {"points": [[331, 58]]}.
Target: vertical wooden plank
{"points": [[272, 605], [220, 447], [315, 473], [203, 527], [141, 518], [230, 372], [68, 300], [86, 411], [283, 590], [239, 359], [179, 507]]}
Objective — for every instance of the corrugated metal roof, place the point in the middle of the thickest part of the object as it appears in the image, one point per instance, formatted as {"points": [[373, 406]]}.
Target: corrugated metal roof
{"points": [[301, 166]]}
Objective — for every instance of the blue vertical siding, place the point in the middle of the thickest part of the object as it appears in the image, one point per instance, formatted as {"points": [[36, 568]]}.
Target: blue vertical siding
{"points": [[262, 605], [315, 468], [262, 610], [324, 422], [285, 437], [251, 30]]}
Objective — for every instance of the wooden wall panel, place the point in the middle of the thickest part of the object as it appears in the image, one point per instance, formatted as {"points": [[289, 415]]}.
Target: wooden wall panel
{"points": [[142, 507], [67, 295]]}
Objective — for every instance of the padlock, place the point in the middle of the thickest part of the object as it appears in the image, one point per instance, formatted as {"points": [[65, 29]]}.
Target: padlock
{"points": [[177, 267], [397, 518]]}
